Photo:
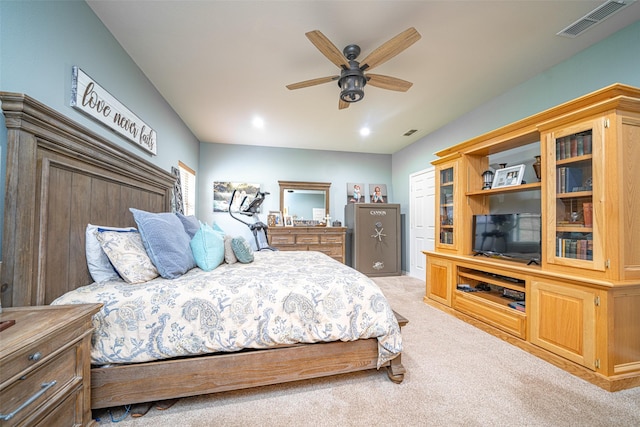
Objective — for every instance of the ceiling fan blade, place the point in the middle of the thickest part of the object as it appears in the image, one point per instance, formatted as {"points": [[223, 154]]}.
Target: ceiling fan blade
{"points": [[387, 82], [327, 48], [312, 82], [342, 105], [390, 49]]}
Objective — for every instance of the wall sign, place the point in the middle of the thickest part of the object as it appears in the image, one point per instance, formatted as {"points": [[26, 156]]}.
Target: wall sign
{"points": [[90, 98]]}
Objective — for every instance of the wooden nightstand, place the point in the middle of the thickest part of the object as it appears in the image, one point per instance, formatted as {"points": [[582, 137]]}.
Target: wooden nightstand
{"points": [[45, 362]]}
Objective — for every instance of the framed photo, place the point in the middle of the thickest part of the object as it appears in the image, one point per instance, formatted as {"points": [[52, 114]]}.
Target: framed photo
{"points": [[274, 219], [378, 193], [288, 221], [507, 177], [355, 192]]}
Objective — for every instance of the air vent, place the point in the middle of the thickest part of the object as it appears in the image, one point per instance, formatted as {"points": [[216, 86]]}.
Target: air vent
{"points": [[410, 132], [597, 15]]}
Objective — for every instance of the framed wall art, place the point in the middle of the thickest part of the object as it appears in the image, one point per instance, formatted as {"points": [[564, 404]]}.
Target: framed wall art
{"points": [[223, 190]]}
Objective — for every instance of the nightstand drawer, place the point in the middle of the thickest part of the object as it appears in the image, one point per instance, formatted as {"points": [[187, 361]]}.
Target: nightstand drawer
{"points": [[36, 388], [36, 354], [66, 411]]}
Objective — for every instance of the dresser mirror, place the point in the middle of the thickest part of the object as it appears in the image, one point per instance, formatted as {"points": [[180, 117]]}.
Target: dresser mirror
{"points": [[304, 200]]}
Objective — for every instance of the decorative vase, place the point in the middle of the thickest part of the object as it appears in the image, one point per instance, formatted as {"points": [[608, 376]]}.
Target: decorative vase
{"points": [[536, 167]]}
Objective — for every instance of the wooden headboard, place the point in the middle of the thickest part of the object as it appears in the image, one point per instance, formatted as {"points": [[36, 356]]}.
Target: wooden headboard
{"points": [[61, 176]]}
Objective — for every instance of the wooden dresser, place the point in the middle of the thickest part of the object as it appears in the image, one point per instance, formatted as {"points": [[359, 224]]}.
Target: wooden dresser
{"points": [[329, 240], [45, 364]]}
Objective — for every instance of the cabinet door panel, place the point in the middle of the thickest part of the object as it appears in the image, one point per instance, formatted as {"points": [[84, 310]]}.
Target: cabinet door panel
{"points": [[563, 321], [439, 275]]}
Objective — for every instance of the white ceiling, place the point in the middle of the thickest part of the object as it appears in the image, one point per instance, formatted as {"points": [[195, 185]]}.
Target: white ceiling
{"points": [[220, 63]]}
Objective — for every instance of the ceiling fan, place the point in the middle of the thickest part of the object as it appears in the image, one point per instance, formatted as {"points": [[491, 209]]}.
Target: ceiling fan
{"points": [[352, 78]]}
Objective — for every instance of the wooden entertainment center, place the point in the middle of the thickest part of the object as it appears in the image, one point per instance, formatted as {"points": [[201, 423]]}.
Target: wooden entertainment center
{"points": [[581, 308]]}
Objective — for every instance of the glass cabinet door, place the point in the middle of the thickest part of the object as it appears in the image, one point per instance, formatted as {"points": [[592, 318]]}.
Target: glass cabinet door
{"points": [[446, 207], [575, 154]]}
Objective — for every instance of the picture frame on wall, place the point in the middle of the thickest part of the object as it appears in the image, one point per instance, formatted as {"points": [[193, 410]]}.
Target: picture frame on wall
{"points": [[355, 192], [223, 190], [378, 193], [508, 177]]}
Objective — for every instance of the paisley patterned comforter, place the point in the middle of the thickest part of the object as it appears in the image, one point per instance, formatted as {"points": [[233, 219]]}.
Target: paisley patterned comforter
{"points": [[280, 298]]}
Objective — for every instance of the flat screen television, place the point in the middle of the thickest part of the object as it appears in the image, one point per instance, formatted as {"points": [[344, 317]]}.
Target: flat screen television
{"points": [[516, 236]]}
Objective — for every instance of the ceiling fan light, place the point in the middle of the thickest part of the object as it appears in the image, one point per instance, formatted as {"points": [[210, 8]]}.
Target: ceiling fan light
{"points": [[351, 86]]}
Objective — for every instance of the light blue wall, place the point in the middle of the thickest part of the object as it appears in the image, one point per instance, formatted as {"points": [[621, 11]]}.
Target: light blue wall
{"points": [[40, 42], [266, 166], [613, 60]]}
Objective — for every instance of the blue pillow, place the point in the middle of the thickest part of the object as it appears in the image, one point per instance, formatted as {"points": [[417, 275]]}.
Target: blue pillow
{"points": [[207, 246], [165, 241], [242, 249], [190, 223]]}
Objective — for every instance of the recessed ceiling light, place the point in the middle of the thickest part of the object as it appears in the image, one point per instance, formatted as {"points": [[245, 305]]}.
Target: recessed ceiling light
{"points": [[365, 131], [258, 122]]}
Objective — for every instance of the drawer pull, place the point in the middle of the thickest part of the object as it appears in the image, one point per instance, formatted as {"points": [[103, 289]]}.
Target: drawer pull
{"points": [[45, 387], [35, 356]]}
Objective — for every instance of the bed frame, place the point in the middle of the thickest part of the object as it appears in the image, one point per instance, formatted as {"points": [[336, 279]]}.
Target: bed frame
{"points": [[61, 176]]}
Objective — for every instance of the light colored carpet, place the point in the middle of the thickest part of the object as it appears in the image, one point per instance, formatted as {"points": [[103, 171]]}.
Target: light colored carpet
{"points": [[457, 375]]}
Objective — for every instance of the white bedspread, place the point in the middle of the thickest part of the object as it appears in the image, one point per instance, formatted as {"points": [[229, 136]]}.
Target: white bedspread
{"points": [[280, 298]]}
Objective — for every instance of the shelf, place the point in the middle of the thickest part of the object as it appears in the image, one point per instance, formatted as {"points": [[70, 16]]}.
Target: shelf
{"points": [[574, 194], [495, 297], [573, 229], [574, 159], [486, 278], [515, 188]]}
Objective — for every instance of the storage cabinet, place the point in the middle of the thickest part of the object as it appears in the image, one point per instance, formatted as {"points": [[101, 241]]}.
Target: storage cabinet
{"points": [[45, 359], [575, 155], [579, 302], [329, 240], [447, 201]]}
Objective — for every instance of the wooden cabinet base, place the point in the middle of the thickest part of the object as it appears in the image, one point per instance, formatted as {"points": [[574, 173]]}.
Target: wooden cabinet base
{"points": [[614, 383]]}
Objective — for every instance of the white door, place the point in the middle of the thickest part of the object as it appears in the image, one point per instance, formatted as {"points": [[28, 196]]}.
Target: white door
{"points": [[422, 219]]}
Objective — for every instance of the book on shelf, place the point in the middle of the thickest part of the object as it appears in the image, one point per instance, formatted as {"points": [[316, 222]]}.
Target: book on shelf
{"points": [[569, 179], [574, 248], [573, 145], [587, 214]]}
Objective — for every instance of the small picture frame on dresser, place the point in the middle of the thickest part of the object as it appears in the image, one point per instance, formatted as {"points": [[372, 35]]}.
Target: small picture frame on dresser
{"points": [[288, 221], [274, 219]]}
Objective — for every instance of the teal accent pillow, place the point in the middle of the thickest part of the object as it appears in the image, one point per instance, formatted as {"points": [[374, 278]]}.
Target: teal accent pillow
{"points": [[207, 247], [242, 249], [165, 241]]}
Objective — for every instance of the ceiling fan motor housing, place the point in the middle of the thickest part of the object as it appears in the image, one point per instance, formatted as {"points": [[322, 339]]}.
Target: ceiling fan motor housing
{"points": [[352, 80]]}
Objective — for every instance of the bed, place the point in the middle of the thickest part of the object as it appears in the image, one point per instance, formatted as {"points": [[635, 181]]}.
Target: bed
{"points": [[60, 177]]}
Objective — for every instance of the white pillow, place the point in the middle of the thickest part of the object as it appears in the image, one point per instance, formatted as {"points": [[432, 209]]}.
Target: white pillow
{"points": [[128, 255], [98, 263]]}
